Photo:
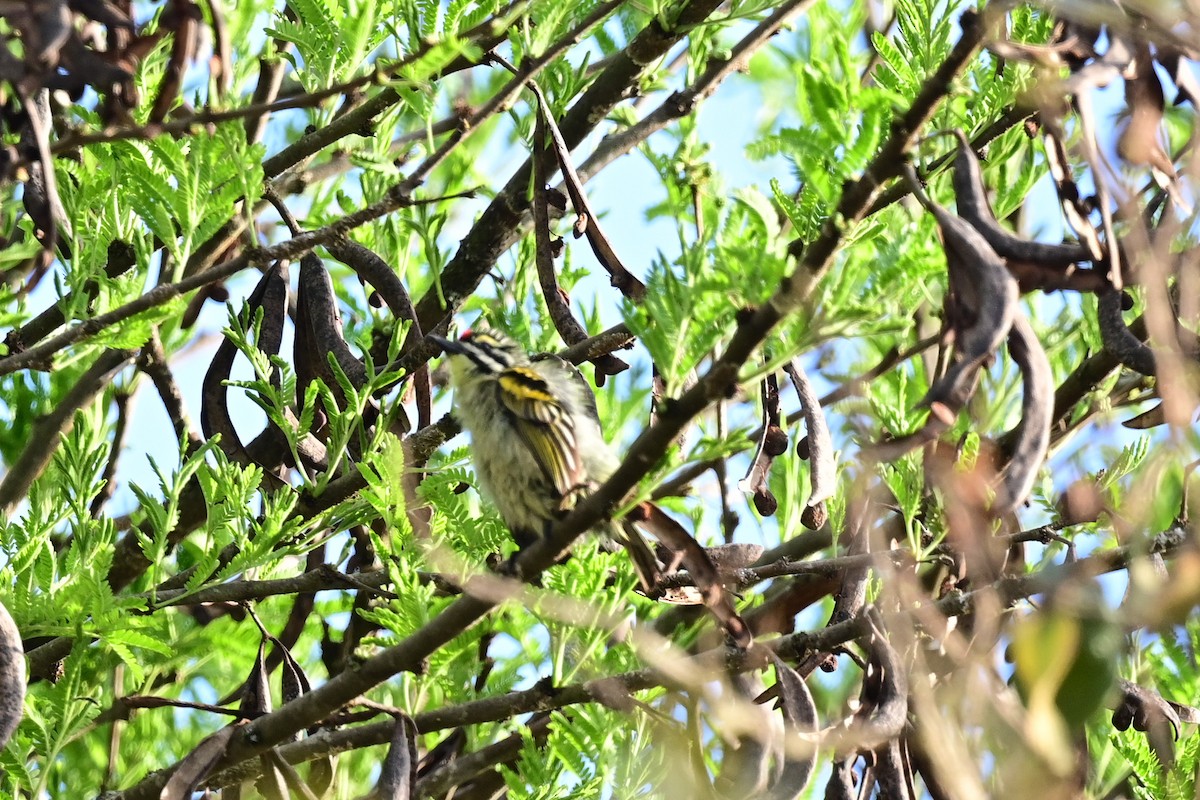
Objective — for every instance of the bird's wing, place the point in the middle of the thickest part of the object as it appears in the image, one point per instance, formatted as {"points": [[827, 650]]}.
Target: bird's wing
{"points": [[545, 426]]}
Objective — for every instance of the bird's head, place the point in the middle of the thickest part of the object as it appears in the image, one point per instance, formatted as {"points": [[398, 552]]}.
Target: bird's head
{"points": [[480, 354]]}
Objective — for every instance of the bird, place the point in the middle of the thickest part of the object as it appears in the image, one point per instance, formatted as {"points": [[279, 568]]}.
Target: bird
{"points": [[536, 440]]}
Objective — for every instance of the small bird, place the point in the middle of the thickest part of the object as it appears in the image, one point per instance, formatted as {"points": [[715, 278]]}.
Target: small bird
{"points": [[535, 433]]}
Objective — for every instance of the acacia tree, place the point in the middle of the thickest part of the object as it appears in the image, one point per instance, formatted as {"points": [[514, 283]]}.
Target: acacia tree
{"points": [[937, 508]]}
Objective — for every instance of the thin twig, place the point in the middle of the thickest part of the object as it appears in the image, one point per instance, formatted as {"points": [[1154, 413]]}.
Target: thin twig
{"points": [[48, 431], [538, 699]]}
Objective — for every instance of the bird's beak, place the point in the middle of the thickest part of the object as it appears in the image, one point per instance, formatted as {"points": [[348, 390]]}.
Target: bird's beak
{"points": [[448, 347]]}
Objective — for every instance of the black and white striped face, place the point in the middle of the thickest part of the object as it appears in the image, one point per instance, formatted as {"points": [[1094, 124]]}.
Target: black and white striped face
{"points": [[480, 354]]}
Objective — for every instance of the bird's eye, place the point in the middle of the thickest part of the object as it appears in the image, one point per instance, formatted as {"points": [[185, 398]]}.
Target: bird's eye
{"points": [[467, 335]]}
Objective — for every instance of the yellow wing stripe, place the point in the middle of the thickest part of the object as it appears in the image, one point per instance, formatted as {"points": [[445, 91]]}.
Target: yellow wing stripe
{"points": [[545, 427], [526, 385]]}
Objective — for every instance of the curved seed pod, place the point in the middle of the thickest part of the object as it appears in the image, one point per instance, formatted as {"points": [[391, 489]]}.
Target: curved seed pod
{"points": [[444, 753], [317, 313], [1051, 278], [989, 293], [746, 765], [399, 774], [843, 782], [273, 447], [274, 305], [1037, 415], [981, 273], [80, 66], [822, 465], [883, 699], [800, 713], [1139, 143], [12, 676], [293, 681], [41, 199], [255, 699], [183, 18], [987, 288], [1148, 712], [319, 333], [1150, 418], [771, 444], [376, 272], [271, 296], [53, 24], [1118, 339], [973, 206], [892, 772]]}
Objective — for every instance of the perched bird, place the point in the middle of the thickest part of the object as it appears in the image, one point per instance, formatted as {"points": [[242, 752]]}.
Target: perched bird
{"points": [[535, 433]]}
